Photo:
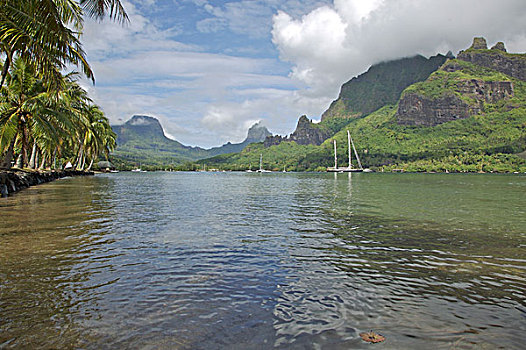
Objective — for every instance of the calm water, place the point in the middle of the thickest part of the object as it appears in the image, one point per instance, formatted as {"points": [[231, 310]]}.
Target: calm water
{"points": [[259, 261]]}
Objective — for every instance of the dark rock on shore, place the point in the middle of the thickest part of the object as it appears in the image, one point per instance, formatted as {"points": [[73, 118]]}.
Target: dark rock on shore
{"points": [[12, 181]]}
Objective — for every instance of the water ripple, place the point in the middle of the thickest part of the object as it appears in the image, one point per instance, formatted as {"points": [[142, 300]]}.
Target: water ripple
{"points": [[257, 261]]}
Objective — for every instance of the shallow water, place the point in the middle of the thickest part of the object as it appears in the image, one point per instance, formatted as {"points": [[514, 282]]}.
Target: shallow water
{"points": [[258, 261]]}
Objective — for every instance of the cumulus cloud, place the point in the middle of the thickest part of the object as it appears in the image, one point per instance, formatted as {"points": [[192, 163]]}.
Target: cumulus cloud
{"points": [[333, 43]]}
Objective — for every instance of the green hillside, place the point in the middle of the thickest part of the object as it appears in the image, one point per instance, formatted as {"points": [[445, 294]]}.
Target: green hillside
{"points": [[381, 85], [464, 117]]}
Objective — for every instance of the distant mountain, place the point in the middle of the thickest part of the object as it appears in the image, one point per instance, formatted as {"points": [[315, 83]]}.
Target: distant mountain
{"points": [[256, 133], [141, 141]]}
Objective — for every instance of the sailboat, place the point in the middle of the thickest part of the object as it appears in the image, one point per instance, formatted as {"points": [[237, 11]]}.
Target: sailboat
{"points": [[138, 170], [350, 167], [261, 170]]}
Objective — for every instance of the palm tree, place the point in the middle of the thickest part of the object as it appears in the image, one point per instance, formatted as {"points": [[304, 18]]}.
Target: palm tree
{"points": [[40, 29], [97, 137], [27, 107], [52, 121], [100, 8], [41, 106]]}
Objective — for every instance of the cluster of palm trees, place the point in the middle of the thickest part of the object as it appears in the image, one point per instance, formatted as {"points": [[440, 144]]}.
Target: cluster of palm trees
{"points": [[46, 117]]}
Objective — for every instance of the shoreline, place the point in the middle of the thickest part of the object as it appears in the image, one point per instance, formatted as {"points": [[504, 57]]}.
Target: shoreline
{"points": [[15, 180]]}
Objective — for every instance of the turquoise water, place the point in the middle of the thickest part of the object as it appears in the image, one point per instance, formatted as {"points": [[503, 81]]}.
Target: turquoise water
{"points": [[261, 261]]}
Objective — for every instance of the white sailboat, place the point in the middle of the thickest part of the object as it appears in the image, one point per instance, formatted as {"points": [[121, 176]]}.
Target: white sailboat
{"points": [[349, 168], [138, 170], [261, 170]]}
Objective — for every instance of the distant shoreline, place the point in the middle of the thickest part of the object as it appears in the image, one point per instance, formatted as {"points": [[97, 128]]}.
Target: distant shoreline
{"points": [[15, 180]]}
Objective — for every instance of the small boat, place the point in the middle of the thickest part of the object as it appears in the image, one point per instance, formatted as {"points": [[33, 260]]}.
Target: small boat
{"points": [[261, 170], [349, 168]]}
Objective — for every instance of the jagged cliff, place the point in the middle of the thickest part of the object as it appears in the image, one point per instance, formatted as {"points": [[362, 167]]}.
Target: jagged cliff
{"points": [[497, 58], [382, 84], [306, 133], [463, 87]]}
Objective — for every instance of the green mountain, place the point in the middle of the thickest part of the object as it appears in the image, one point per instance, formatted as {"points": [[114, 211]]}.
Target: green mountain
{"points": [[381, 85], [141, 141], [469, 115]]}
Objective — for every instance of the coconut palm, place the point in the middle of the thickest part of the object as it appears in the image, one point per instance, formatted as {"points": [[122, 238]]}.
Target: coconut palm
{"points": [[51, 121], [48, 32], [40, 30], [101, 8], [97, 137]]}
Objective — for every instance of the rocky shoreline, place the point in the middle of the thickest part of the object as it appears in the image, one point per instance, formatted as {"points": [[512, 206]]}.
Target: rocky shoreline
{"points": [[12, 181]]}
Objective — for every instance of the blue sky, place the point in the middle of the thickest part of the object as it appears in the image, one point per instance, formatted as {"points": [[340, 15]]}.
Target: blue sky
{"points": [[210, 69]]}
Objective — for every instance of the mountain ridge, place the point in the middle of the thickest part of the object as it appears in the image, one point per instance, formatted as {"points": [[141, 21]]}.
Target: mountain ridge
{"points": [[141, 140]]}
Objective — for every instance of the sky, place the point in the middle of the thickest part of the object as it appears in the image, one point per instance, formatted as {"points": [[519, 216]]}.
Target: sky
{"points": [[208, 70]]}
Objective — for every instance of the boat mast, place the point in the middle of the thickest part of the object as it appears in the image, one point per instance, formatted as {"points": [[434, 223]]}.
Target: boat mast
{"points": [[355, 153], [349, 147], [260, 161], [335, 157]]}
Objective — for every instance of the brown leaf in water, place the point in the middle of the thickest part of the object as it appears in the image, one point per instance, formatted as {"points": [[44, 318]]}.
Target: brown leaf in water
{"points": [[372, 337]]}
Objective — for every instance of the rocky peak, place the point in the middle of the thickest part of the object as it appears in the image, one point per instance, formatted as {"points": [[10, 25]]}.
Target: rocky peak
{"points": [[497, 58], [257, 133], [306, 133], [142, 120], [479, 43], [499, 46], [464, 97], [141, 126]]}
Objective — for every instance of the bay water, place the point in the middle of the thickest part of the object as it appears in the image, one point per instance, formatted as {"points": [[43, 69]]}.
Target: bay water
{"points": [[260, 261]]}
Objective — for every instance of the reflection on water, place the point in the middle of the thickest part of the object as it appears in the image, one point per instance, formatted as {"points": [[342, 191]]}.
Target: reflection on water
{"points": [[243, 261]]}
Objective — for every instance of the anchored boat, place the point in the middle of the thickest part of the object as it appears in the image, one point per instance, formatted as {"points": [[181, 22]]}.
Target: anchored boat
{"points": [[349, 168]]}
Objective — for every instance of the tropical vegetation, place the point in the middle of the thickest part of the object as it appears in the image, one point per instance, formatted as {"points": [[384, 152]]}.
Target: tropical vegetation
{"points": [[46, 118]]}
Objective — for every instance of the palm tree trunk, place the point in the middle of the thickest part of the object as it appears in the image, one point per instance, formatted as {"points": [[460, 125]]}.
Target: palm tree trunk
{"points": [[8, 157], [90, 165], [79, 158], [19, 161], [54, 160], [24, 143], [33, 160], [43, 164], [5, 69]]}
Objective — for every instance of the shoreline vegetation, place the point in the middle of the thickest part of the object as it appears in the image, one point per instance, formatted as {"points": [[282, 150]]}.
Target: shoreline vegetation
{"points": [[47, 119]]}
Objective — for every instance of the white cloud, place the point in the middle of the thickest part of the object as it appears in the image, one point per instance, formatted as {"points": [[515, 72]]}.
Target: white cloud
{"points": [[331, 44]]}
